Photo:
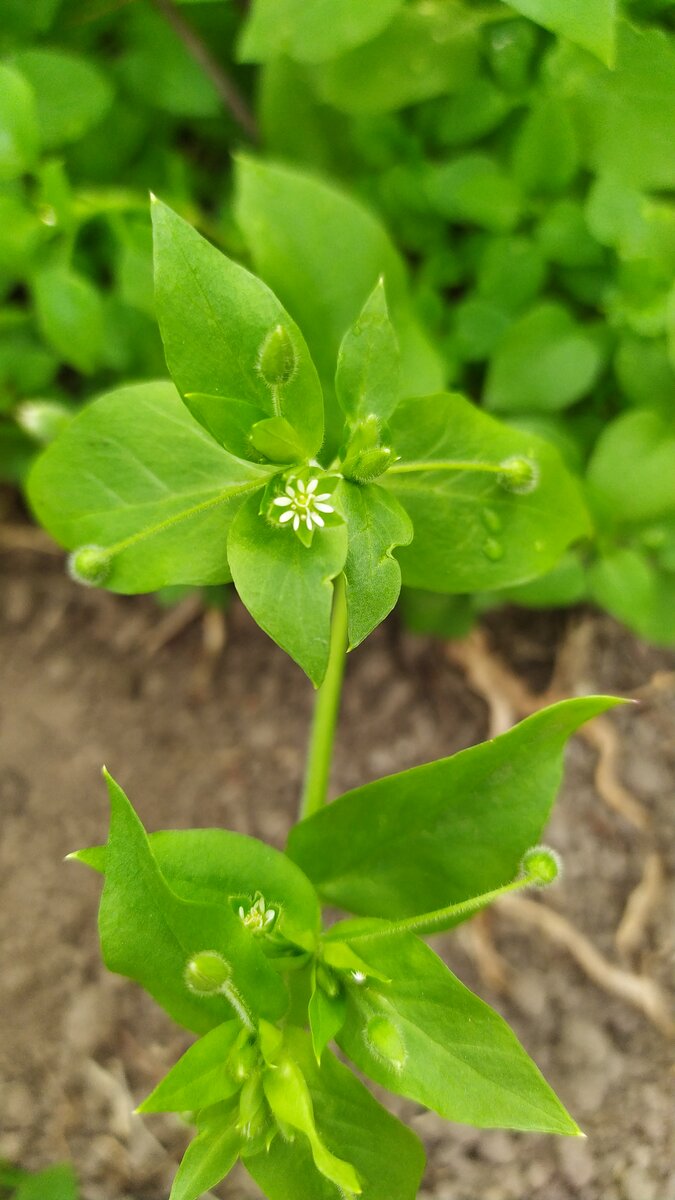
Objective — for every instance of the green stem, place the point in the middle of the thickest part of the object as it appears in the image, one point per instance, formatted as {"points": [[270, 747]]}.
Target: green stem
{"points": [[442, 918], [445, 464], [326, 709]]}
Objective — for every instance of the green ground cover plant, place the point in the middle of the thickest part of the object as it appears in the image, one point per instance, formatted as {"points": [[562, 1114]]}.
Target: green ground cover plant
{"points": [[317, 502], [54, 1183], [531, 202]]}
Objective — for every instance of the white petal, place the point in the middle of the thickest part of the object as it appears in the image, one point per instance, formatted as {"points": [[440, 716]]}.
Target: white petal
{"points": [[308, 520], [282, 501], [323, 496], [318, 520], [290, 491], [300, 485], [287, 516], [327, 508], [296, 522], [312, 485]]}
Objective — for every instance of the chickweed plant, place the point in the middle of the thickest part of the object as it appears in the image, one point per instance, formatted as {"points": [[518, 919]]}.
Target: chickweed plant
{"points": [[227, 474]]}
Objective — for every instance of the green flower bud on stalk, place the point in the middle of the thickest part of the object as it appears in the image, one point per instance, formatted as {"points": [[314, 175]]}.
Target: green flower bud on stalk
{"points": [[519, 474], [90, 565], [541, 865], [369, 465], [277, 360], [207, 972]]}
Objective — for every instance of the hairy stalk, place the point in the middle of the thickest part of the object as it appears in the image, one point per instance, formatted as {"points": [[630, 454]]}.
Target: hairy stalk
{"points": [[443, 918], [326, 709], [224, 85]]}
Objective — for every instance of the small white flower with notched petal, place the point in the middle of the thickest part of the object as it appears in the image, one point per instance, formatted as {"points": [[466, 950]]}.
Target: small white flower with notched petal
{"points": [[301, 503], [258, 918]]}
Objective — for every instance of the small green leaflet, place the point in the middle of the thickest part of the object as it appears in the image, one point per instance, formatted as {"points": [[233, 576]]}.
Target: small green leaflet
{"points": [[311, 30], [589, 23], [19, 135], [70, 315], [200, 1078], [216, 319], [209, 1157], [367, 381], [452, 1052], [149, 934], [287, 586], [388, 1158], [135, 473], [446, 831], [72, 94], [376, 525], [471, 532]]}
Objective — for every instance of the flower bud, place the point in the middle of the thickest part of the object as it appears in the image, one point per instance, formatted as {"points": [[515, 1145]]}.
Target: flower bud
{"points": [[541, 865], [42, 420], [369, 465], [519, 474], [277, 359], [206, 973], [384, 1039], [90, 565]]}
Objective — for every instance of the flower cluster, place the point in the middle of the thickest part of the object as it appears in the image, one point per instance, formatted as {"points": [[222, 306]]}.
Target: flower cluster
{"points": [[302, 504]]}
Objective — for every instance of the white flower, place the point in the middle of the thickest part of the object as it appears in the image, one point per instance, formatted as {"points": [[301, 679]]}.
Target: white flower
{"points": [[358, 977], [301, 503], [259, 917]]}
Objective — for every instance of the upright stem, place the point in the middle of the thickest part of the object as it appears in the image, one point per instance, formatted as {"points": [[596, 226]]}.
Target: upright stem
{"points": [[326, 709]]}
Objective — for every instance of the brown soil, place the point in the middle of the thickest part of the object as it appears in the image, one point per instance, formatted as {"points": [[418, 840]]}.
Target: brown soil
{"points": [[80, 1047]]}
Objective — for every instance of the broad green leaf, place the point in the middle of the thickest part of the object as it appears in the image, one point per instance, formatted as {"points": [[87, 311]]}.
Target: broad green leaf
{"points": [[545, 155], [376, 525], [149, 934], [367, 381], [322, 252], [71, 93], [311, 30], [635, 225], [287, 586], [220, 867], [632, 588], [200, 1078], [511, 272], [545, 361], [70, 315], [474, 189], [218, 322], [19, 135], [426, 50], [135, 473], [471, 532], [565, 236], [208, 1158], [589, 23], [289, 1098], [631, 475], [645, 373], [55, 1183], [625, 116], [388, 1157], [449, 1050], [446, 831], [564, 584]]}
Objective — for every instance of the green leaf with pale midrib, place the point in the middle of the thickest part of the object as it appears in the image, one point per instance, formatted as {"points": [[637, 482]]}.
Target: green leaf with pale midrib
{"points": [[441, 833]]}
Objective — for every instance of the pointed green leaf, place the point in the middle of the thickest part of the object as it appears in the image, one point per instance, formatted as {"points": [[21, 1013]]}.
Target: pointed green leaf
{"points": [[208, 1158], [135, 473], [150, 934], [326, 1016], [289, 1098], [388, 1157], [446, 831], [589, 23], [322, 252], [287, 586], [445, 1048], [18, 124], [472, 532], [200, 1078], [368, 374], [376, 525], [216, 321], [311, 30]]}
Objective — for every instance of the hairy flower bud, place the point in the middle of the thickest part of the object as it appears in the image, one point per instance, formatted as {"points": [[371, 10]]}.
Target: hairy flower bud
{"points": [[519, 474], [90, 565], [541, 865], [277, 359], [206, 973]]}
